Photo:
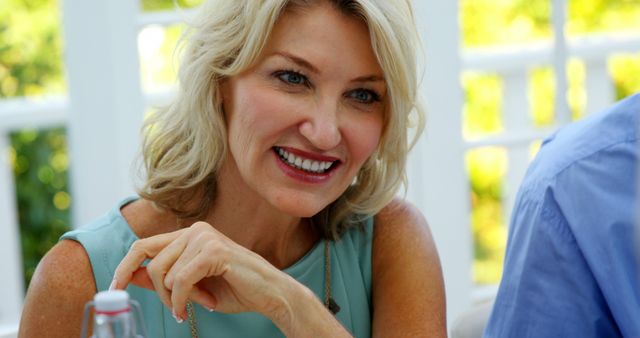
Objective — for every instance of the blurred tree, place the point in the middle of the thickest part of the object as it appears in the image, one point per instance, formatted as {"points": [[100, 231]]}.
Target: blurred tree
{"points": [[30, 51], [156, 5], [40, 168], [30, 65]]}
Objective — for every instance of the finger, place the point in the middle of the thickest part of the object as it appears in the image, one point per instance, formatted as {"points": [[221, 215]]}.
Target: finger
{"points": [[139, 251], [186, 278], [163, 262], [141, 279], [204, 298], [196, 242]]}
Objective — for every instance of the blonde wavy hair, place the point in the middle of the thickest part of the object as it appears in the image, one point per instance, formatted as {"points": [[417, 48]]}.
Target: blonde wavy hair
{"points": [[185, 143]]}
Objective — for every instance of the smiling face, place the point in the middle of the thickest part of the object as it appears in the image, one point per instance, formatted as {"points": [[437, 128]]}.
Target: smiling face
{"points": [[304, 119]]}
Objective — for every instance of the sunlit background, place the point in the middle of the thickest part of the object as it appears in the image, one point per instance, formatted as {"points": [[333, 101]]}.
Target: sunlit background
{"points": [[31, 65], [491, 23]]}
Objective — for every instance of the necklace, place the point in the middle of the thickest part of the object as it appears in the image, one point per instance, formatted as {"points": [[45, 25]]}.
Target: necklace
{"points": [[329, 303], [191, 316]]}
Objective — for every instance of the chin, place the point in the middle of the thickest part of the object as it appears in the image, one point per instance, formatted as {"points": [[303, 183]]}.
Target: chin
{"points": [[300, 207]]}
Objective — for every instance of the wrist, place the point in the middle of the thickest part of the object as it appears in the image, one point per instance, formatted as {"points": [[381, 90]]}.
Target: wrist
{"points": [[289, 300], [301, 314]]}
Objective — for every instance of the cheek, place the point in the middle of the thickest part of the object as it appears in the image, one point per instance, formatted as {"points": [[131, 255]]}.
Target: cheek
{"points": [[363, 137], [262, 110], [255, 115]]}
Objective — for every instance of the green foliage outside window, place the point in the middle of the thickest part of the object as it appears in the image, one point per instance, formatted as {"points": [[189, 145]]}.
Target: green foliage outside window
{"points": [[30, 65], [158, 5], [40, 167]]}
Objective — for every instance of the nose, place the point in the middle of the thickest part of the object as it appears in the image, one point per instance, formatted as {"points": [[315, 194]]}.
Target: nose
{"points": [[321, 127]]}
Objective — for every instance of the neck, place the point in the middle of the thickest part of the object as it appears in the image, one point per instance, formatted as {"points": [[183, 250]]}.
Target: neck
{"points": [[247, 219]]}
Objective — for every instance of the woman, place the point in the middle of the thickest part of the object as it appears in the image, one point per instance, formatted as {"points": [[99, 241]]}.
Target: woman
{"points": [[268, 206]]}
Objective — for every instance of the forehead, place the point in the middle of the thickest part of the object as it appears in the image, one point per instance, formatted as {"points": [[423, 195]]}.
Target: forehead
{"points": [[321, 33]]}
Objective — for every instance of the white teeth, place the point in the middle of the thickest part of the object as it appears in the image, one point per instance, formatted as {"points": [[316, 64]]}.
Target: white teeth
{"points": [[302, 163]]}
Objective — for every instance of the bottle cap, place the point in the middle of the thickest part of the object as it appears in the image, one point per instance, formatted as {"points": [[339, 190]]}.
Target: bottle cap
{"points": [[111, 301]]}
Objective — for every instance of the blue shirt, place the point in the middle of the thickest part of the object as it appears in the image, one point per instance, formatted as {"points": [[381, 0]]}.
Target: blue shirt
{"points": [[571, 260]]}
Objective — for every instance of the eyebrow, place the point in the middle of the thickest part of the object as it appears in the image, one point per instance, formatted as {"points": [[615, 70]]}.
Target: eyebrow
{"points": [[369, 78], [306, 64], [299, 61]]}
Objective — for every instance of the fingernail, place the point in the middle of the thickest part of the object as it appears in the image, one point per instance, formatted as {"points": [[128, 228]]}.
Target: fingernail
{"points": [[112, 286], [175, 316], [210, 309]]}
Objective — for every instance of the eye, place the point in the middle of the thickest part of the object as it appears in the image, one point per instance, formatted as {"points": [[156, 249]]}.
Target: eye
{"points": [[292, 77], [364, 96]]}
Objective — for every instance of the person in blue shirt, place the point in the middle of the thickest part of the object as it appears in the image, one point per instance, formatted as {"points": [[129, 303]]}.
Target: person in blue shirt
{"points": [[571, 260]]}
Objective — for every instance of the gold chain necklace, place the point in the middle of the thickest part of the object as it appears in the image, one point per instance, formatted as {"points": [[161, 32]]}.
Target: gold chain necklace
{"points": [[329, 303], [191, 316]]}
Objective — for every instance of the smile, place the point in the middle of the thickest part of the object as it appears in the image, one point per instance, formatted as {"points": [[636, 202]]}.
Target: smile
{"points": [[305, 164]]}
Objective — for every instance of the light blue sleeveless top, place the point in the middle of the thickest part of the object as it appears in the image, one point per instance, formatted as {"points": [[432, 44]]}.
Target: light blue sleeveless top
{"points": [[108, 239]]}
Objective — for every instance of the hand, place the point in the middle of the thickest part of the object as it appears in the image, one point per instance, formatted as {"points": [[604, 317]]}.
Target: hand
{"points": [[201, 264]]}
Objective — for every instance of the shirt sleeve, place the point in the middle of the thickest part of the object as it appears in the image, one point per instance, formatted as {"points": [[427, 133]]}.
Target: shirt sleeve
{"points": [[598, 199], [570, 269]]}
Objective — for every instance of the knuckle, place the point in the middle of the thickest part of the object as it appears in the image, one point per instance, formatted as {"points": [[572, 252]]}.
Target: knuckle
{"points": [[203, 237], [223, 250], [212, 250], [200, 225], [154, 269], [200, 265], [181, 280], [168, 282], [137, 246]]}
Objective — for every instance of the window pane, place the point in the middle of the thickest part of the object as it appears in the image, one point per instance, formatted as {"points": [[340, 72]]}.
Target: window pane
{"points": [[40, 164], [592, 16], [158, 58], [495, 22], [486, 168], [482, 105], [624, 70], [30, 48], [159, 5]]}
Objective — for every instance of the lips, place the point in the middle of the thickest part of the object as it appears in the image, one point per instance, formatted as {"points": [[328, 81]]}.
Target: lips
{"points": [[311, 164]]}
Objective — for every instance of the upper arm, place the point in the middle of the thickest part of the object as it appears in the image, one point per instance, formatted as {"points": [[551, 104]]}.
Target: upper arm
{"points": [[63, 282], [408, 288]]}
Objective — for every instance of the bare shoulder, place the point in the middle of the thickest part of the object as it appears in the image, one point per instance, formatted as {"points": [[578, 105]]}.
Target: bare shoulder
{"points": [[408, 288], [400, 213], [62, 284], [401, 224]]}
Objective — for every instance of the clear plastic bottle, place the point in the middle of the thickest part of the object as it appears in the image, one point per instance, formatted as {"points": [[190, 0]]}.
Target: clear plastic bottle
{"points": [[114, 316]]}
